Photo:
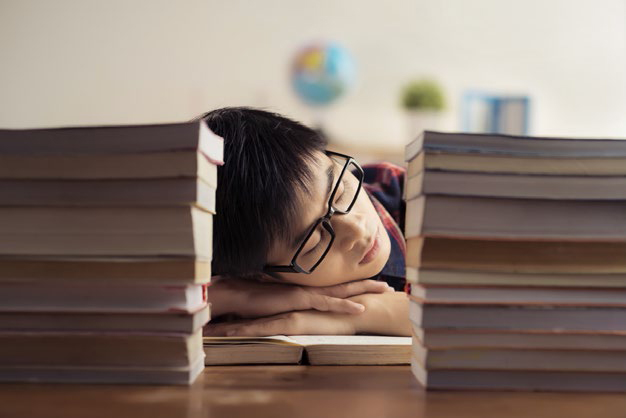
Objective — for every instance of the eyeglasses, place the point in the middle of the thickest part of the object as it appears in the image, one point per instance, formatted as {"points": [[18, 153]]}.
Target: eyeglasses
{"points": [[320, 237]]}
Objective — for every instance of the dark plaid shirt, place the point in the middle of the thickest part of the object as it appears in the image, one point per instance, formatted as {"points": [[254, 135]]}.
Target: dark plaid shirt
{"points": [[384, 183]]}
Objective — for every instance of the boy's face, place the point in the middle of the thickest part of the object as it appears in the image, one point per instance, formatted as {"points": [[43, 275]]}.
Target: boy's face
{"points": [[361, 246]]}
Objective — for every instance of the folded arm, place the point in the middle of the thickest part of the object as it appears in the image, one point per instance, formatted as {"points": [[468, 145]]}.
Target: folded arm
{"points": [[385, 314], [246, 298]]}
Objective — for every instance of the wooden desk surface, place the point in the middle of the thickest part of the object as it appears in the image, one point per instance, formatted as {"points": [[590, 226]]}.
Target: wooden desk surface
{"points": [[297, 391]]}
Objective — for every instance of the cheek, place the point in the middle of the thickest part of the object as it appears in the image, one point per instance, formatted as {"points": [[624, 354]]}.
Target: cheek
{"points": [[364, 205], [331, 272], [385, 246], [367, 207]]}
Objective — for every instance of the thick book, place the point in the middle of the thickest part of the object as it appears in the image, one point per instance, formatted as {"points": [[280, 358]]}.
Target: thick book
{"points": [[518, 295], [519, 380], [516, 219], [100, 231], [113, 139], [518, 317], [517, 256], [184, 375], [99, 349], [103, 297], [150, 165], [444, 339], [110, 270], [507, 164], [132, 322], [308, 349], [146, 193], [459, 183], [489, 278], [521, 359], [513, 145], [112, 152]]}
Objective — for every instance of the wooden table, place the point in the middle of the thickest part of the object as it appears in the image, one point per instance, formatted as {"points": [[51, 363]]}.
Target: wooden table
{"points": [[297, 391]]}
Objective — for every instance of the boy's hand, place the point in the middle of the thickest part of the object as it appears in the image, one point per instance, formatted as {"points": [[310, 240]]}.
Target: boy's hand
{"points": [[385, 314], [290, 323], [253, 299]]}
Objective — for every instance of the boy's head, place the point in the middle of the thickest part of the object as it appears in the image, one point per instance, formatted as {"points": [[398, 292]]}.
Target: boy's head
{"points": [[274, 185]]}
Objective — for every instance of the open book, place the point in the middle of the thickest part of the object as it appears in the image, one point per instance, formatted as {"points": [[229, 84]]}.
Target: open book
{"points": [[308, 349]]}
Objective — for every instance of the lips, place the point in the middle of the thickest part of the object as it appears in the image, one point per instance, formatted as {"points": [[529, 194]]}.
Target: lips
{"points": [[372, 250]]}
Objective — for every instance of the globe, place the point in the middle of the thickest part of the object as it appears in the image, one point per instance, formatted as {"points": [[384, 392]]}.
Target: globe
{"points": [[321, 73]]}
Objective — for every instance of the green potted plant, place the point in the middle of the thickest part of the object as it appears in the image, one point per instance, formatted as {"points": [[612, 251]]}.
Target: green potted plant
{"points": [[424, 102]]}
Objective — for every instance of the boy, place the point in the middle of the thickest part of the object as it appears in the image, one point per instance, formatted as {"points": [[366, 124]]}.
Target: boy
{"points": [[297, 237]]}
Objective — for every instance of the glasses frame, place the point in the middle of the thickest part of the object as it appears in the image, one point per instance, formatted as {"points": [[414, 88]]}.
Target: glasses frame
{"points": [[293, 266]]}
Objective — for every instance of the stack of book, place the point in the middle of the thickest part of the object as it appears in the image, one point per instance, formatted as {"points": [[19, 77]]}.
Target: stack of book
{"points": [[516, 251], [105, 251]]}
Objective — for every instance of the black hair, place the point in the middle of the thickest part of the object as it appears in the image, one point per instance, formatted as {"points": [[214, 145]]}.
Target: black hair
{"points": [[266, 167]]}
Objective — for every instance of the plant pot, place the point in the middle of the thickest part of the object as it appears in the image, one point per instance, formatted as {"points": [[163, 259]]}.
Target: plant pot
{"points": [[422, 120]]}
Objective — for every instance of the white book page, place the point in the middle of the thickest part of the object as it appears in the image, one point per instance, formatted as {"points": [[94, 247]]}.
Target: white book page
{"points": [[274, 339], [308, 340]]}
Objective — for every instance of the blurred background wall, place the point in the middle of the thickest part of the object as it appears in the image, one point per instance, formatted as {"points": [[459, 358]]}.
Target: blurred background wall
{"points": [[79, 62]]}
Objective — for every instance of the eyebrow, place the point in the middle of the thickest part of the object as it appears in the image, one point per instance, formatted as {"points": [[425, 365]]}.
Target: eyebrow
{"points": [[330, 176]]}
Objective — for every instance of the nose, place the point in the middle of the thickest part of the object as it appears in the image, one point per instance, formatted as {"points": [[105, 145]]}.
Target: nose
{"points": [[349, 229]]}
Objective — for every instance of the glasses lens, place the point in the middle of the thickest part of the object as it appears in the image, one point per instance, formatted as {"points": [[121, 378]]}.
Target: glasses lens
{"points": [[314, 247], [347, 188]]}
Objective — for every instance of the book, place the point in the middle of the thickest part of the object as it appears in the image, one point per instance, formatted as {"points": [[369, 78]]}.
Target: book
{"points": [[519, 219], [108, 193], [551, 187], [110, 270], [134, 322], [113, 231], [521, 359], [443, 339], [514, 145], [309, 349], [113, 139], [518, 295], [512, 164], [574, 257], [519, 380], [139, 165], [490, 278], [413, 186], [103, 297], [183, 375], [415, 166], [98, 349], [518, 317]]}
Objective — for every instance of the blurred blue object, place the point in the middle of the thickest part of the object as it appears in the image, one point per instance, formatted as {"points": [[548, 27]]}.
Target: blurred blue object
{"points": [[322, 72], [488, 113]]}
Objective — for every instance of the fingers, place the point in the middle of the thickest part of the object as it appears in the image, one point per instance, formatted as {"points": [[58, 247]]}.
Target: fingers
{"points": [[346, 290], [219, 329], [334, 298]]}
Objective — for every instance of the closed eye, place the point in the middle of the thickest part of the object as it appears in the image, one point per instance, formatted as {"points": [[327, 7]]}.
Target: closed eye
{"points": [[311, 250], [311, 244], [345, 191]]}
